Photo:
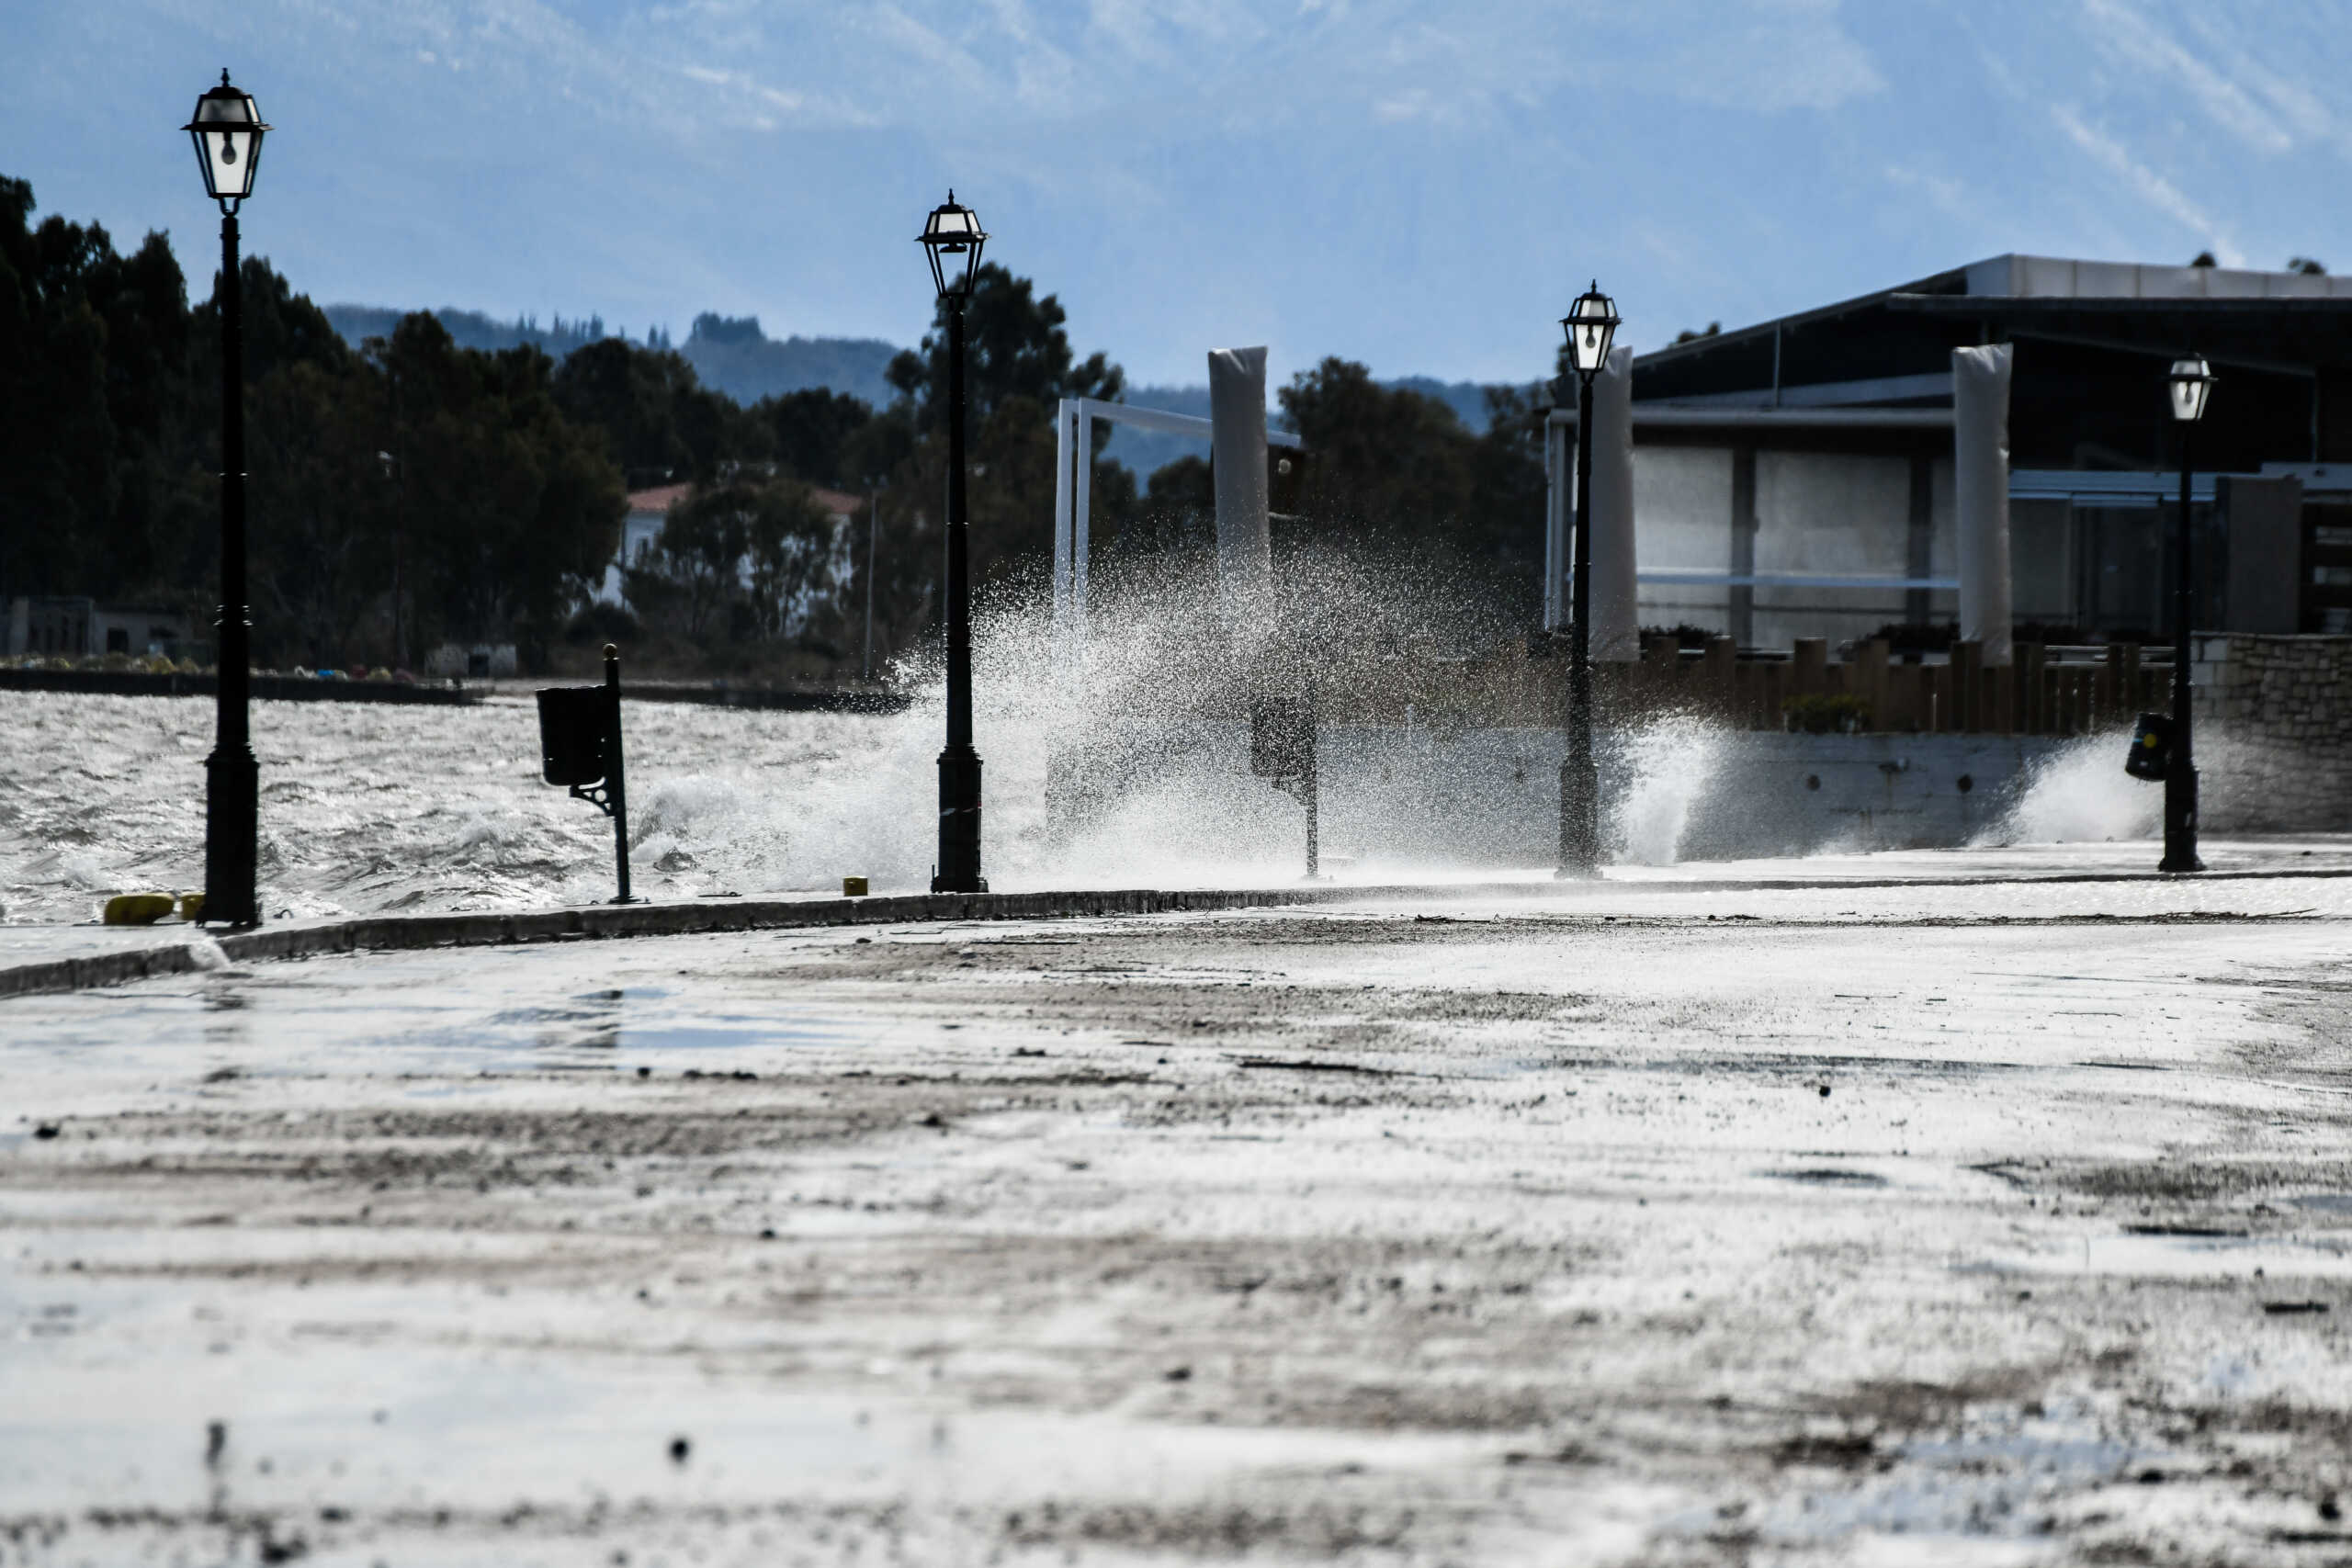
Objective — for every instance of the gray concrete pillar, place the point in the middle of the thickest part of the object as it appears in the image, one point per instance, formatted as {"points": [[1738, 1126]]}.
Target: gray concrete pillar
{"points": [[1743, 545], [1616, 622], [1237, 449], [1981, 492]]}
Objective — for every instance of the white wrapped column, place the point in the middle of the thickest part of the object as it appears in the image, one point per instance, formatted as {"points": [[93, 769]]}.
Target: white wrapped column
{"points": [[1238, 447], [1065, 501], [1616, 624], [1980, 381]]}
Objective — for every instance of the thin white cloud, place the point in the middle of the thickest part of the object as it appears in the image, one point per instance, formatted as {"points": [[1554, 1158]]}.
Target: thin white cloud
{"points": [[1237, 64], [1946, 195], [1768, 55], [2138, 42], [2147, 183]]}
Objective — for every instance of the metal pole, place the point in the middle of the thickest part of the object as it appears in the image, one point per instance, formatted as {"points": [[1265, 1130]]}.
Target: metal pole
{"points": [[232, 777], [616, 774], [400, 509], [1580, 780], [2180, 768], [959, 764], [873, 528], [1314, 782]]}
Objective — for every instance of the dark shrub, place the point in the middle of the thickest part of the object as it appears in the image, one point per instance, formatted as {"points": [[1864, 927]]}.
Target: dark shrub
{"points": [[602, 623]]}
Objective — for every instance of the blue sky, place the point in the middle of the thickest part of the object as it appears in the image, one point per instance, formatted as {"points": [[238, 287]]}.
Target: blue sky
{"points": [[1421, 186]]}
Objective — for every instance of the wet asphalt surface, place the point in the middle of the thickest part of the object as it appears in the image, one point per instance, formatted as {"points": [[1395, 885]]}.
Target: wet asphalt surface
{"points": [[1810, 1227]]}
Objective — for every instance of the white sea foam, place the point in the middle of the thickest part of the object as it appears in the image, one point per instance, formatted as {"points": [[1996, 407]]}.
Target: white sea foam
{"points": [[1126, 765], [2080, 794], [1667, 767]]}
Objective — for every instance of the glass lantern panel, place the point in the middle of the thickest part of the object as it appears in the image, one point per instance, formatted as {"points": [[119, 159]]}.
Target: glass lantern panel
{"points": [[231, 155], [1589, 330], [2191, 384]]}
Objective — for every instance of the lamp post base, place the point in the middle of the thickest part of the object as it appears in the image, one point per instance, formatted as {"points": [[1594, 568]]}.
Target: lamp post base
{"points": [[232, 808], [2180, 821], [1579, 820], [959, 823]]}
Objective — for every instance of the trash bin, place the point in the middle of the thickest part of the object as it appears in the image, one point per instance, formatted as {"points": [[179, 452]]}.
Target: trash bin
{"points": [[572, 725], [2150, 747]]}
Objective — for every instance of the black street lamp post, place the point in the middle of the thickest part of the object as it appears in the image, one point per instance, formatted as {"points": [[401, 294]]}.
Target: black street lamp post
{"points": [[2191, 383], [227, 132], [952, 239], [1591, 324]]}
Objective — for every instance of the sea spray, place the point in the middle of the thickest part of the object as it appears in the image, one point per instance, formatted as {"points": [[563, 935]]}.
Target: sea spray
{"points": [[2078, 794], [1662, 770]]}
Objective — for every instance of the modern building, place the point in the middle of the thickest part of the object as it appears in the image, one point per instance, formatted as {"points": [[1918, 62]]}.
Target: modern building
{"points": [[70, 626], [1796, 478]]}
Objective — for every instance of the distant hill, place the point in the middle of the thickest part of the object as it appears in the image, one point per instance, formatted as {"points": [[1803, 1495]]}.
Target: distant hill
{"points": [[730, 354], [471, 329], [733, 356], [1466, 398]]}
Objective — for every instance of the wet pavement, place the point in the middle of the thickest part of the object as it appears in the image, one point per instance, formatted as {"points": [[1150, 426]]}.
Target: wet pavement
{"points": [[1710, 1222]]}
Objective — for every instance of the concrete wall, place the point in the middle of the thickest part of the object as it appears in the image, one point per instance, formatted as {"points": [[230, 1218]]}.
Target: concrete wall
{"points": [[2274, 732], [1781, 795], [1423, 798]]}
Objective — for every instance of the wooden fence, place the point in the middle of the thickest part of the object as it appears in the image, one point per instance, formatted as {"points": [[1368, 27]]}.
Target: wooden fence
{"points": [[2043, 691]]}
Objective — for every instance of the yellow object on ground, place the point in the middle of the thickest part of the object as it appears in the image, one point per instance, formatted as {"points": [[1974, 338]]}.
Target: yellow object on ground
{"points": [[191, 907], [853, 887], [137, 908]]}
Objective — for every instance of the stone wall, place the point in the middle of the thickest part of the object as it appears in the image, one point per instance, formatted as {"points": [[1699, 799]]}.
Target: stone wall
{"points": [[2274, 732]]}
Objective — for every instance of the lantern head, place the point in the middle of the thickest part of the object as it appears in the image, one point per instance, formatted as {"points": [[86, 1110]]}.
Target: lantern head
{"points": [[2191, 382], [227, 131], [1591, 324], [952, 239]]}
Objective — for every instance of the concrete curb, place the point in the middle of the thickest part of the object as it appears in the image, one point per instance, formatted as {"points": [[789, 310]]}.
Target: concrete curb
{"points": [[102, 969], [398, 933]]}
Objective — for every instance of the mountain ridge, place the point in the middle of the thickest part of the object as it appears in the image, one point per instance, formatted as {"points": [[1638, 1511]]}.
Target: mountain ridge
{"points": [[734, 355]]}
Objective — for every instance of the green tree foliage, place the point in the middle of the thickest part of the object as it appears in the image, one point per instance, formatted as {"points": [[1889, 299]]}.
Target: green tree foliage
{"points": [[490, 484], [1390, 479], [459, 464], [515, 510], [1014, 347], [93, 373], [658, 422], [1019, 362], [741, 559], [813, 434], [1388, 462]]}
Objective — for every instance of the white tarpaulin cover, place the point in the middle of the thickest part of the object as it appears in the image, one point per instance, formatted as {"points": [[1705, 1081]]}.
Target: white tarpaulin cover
{"points": [[1238, 449], [1980, 386], [1616, 626]]}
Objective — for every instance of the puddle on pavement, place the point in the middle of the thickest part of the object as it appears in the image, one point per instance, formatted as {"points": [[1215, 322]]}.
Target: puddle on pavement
{"points": [[2326, 1203], [631, 1017], [1991, 1481], [1826, 1175]]}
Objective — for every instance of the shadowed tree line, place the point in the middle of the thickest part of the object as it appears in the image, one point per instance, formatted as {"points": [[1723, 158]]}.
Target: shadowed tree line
{"points": [[490, 486]]}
